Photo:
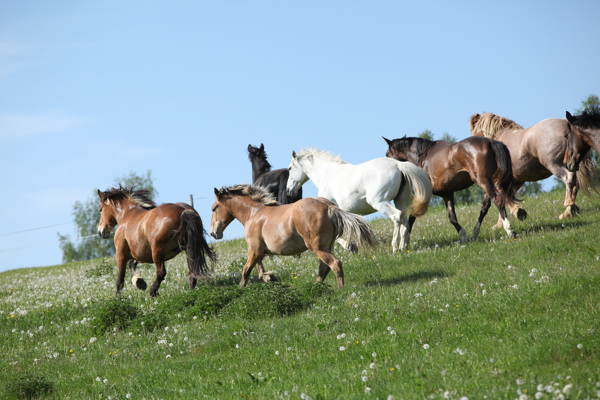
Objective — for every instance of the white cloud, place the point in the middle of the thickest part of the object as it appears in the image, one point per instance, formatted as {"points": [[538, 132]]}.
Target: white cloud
{"points": [[19, 125]]}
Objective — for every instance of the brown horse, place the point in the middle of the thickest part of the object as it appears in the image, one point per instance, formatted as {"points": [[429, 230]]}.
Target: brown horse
{"points": [[149, 233], [271, 228], [456, 166], [583, 133], [538, 152]]}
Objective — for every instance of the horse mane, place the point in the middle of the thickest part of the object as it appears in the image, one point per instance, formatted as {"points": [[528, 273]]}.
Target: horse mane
{"points": [[489, 125], [422, 146], [142, 198], [317, 153], [256, 193], [589, 118]]}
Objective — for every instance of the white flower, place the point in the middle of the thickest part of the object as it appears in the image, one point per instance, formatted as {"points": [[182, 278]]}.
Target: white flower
{"points": [[374, 354], [342, 348], [98, 379], [393, 332], [367, 390], [520, 382], [579, 346], [92, 340], [425, 346], [539, 395], [276, 352], [364, 378], [105, 380], [567, 388]]}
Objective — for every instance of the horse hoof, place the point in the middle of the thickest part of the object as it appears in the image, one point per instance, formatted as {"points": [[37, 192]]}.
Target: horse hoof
{"points": [[521, 214], [141, 284]]}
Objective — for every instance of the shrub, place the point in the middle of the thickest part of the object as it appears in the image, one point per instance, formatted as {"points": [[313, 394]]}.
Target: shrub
{"points": [[28, 387], [115, 313]]}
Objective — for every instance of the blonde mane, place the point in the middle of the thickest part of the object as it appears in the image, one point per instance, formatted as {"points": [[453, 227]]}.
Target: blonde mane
{"points": [[321, 154], [490, 125], [256, 193]]}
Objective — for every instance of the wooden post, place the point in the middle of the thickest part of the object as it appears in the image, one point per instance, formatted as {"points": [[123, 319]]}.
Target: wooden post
{"points": [[192, 201]]}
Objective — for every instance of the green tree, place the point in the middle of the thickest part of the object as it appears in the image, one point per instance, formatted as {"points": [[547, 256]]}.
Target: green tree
{"points": [[426, 134], [86, 218]]}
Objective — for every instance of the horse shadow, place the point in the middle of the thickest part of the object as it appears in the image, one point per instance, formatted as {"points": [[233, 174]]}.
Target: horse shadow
{"points": [[414, 277]]}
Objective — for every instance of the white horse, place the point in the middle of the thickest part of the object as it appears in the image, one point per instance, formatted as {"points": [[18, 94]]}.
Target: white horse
{"points": [[365, 188]]}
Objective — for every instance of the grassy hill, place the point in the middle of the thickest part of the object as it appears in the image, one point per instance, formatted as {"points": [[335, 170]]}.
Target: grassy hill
{"points": [[495, 319]]}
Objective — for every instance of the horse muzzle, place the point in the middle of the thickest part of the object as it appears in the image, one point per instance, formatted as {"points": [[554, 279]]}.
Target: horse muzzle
{"points": [[216, 233], [103, 233]]}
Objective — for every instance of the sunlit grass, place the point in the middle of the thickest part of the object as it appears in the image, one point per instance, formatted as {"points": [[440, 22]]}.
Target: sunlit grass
{"points": [[497, 318]]}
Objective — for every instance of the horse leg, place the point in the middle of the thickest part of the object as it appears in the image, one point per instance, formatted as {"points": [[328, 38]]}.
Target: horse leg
{"points": [[262, 275], [161, 272], [449, 200], [397, 218], [137, 281], [571, 189], [329, 261], [253, 258], [121, 268]]}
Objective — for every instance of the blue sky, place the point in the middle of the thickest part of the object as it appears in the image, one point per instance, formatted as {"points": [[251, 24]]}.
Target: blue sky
{"points": [[90, 91]]}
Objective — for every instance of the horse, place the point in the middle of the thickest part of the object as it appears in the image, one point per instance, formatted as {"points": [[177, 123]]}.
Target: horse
{"points": [[456, 166], [149, 233], [538, 152], [365, 188], [583, 133], [289, 229], [274, 181]]}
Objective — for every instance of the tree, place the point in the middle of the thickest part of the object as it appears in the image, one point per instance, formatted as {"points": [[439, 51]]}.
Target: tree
{"points": [[87, 217], [426, 134]]}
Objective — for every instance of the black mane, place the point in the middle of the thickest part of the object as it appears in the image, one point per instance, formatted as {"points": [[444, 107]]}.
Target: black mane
{"points": [[404, 145], [590, 118]]}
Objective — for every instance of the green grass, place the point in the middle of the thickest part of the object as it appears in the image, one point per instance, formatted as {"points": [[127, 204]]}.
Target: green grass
{"points": [[496, 319]]}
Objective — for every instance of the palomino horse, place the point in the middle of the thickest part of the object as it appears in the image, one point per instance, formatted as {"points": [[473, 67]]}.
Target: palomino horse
{"points": [[271, 228], [149, 233], [272, 180], [537, 152], [583, 133], [365, 188], [456, 166]]}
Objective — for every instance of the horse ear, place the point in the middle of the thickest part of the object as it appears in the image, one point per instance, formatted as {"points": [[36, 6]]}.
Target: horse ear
{"points": [[100, 194], [262, 147], [293, 154], [388, 141], [404, 137], [569, 117], [216, 192]]}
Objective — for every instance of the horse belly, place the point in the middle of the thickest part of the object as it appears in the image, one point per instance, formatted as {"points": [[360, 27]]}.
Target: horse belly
{"points": [[453, 183]]}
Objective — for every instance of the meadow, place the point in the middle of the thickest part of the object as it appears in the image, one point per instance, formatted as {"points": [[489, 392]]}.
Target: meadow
{"points": [[494, 319]]}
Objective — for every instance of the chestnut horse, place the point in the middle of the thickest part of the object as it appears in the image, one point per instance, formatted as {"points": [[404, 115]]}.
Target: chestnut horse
{"points": [[583, 133], [149, 233], [456, 166], [272, 180], [271, 228], [538, 152]]}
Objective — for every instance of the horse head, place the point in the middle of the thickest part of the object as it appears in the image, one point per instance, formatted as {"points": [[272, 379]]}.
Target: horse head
{"points": [[108, 215], [221, 216], [577, 147], [297, 177], [396, 148]]}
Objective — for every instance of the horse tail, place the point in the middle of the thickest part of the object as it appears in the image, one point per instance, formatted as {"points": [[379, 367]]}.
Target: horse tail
{"points": [[420, 185], [191, 239], [351, 227], [587, 178], [503, 177]]}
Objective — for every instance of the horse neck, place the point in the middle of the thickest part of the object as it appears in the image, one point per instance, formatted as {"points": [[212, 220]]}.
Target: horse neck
{"points": [[591, 137], [259, 167], [242, 208], [123, 208], [318, 170]]}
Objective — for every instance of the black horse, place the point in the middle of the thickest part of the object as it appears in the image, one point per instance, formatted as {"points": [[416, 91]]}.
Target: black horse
{"points": [[274, 181]]}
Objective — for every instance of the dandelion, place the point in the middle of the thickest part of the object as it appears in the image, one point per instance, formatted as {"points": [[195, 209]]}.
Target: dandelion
{"points": [[276, 352], [342, 348], [92, 340], [426, 346], [393, 333], [539, 395], [374, 354], [105, 380], [579, 346], [367, 390], [98, 379], [520, 382], [364, 378]]}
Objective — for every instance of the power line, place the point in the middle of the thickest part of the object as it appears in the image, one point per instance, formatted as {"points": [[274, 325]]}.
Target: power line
{"points": [[40, 244], [35, 229]]}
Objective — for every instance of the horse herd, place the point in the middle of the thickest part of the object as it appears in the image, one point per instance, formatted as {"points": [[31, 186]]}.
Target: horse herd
{"points": [[499, 156]]}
